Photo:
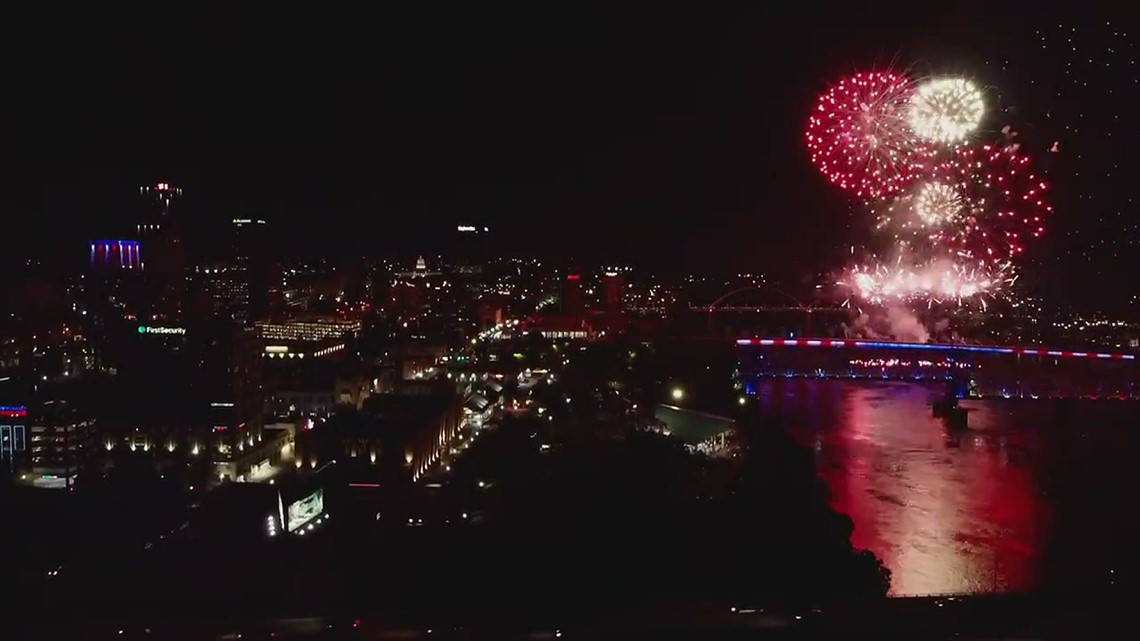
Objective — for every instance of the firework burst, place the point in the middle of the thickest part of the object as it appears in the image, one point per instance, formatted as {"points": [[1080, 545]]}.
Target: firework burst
{"points": [[858, 134], [1004, 204], [945, 110], [955, 213], [932, 282], [936, 204]]}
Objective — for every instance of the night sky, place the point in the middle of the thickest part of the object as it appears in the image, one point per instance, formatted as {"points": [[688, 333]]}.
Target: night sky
{"points": [[669, 140]]}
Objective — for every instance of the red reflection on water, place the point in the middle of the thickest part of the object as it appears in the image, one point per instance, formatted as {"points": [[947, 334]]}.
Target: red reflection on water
{"points": [[947, 510]]}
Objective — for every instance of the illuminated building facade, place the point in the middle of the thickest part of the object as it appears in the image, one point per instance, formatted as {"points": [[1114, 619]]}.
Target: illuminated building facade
{"points": [[114, 289], [304, 349], [318, 329], [395, 438], [221, 291], [115, 255], [421, 271], [61, 437]]}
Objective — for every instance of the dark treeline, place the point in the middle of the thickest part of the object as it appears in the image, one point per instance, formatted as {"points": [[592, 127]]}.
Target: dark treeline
{"points": [[586, 527]]}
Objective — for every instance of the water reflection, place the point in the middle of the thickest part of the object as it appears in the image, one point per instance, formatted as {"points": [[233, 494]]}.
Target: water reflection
{"points": [[1002, 504]]}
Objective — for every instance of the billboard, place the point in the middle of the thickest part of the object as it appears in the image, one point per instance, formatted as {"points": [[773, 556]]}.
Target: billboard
{"points": [[305, 510]]}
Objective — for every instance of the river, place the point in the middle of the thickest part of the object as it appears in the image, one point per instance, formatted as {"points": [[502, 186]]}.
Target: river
{"points": [[1031, 495]]}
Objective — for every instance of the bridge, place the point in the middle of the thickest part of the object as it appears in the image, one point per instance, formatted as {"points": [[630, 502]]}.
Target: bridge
{"points": [[787, 304], [989, 370]]}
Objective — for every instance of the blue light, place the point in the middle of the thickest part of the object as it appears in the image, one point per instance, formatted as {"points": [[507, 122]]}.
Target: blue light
{"points": [[940, 347], [937, 347]]}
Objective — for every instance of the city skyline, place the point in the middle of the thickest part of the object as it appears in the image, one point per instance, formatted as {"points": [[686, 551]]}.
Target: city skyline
{"points": [[501, 323], [679, 144]]}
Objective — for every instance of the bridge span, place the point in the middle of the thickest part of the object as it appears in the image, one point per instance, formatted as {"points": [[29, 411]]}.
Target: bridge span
{"points": [[986, 371]]}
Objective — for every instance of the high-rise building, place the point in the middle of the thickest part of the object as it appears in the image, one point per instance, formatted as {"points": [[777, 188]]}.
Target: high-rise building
{"points": [[471, 249], [238, 409], [572, 294], [613, 291], [115, 291], [162, 250], [189, 393], [219, 291], [250, 257]]}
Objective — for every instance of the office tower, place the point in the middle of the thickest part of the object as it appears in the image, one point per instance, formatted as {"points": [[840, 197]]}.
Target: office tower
{"points": [[162, 250], [613, 284], [572, 294], [114, 292], [249, 251], [185, 392]]}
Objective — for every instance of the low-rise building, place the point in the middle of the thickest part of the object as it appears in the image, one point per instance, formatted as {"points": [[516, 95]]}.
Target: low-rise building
{"points": [[394, 438], [699, 431]]}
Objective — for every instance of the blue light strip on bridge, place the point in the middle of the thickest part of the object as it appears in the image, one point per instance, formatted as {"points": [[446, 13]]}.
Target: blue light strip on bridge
{"points": [[942, 347]]}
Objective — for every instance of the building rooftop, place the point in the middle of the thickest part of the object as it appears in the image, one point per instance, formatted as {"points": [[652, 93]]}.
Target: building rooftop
{"points": [[690, 426], [392, 417]]}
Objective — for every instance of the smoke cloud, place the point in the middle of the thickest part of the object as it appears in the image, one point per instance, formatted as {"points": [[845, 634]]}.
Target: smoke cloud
{"points": [[903, 325], [895, 323]]}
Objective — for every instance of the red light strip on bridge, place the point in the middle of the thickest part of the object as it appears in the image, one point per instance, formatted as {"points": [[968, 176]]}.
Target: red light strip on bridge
{"points": [[943, 347]]}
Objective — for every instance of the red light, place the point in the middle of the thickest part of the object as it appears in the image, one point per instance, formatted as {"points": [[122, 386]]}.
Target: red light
{"points": [[572, 277]]}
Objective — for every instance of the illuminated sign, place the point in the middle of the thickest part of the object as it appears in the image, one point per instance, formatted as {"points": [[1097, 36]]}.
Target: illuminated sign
{"points": [[305, 510], [467, 228], [276, 349], [12, 411], [147, 329]]}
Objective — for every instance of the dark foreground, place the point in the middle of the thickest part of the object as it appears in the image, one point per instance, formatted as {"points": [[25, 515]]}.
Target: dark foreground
{"points": [[1010, 616]]}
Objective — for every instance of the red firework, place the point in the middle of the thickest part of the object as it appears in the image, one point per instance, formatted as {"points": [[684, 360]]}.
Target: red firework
{"points": [[858, 134], [1004, 203]]}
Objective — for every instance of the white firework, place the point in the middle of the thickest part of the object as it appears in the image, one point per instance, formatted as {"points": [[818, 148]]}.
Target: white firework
{"points": [[936, 204], [946, 110]]}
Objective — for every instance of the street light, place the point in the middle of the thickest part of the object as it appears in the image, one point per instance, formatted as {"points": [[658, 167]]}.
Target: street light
{"points": [[678, 394]]}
